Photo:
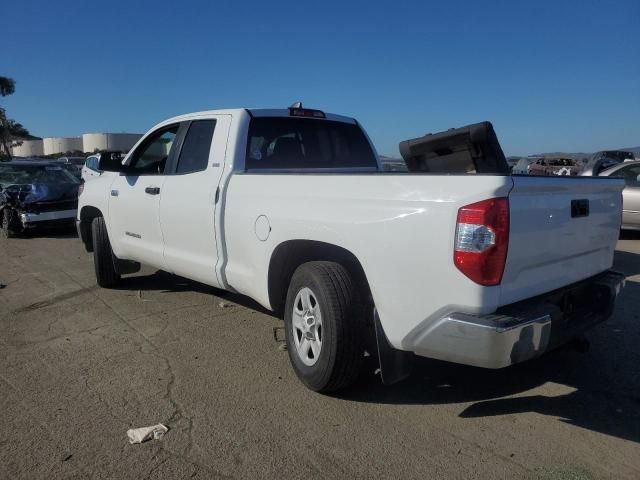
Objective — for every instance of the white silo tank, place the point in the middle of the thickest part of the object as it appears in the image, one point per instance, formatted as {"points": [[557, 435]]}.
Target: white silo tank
{"points": [[29, 148], [94, 141], [49, 145], [122, 141], [54, 145], [109, 141], [70, 144]]}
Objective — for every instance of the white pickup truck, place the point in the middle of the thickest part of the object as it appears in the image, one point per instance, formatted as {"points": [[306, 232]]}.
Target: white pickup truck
{"points": [[454, 260]]}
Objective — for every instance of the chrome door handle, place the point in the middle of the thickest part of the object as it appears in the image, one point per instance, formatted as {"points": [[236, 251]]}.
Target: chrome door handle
{"points": [[152, 190]]}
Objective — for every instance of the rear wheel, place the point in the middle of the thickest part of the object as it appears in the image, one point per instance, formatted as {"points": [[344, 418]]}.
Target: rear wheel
{"points": [[104, 261], [324, 326]]}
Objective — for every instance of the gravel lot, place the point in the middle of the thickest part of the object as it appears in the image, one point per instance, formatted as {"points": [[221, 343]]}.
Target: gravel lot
{"points": [[80, 365]]}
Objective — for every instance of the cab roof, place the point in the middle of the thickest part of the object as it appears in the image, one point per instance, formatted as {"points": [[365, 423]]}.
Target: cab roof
{"points": [[254, 112]]}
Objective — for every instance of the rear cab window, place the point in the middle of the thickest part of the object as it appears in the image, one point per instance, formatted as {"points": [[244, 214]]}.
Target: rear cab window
{"points": [[291, 143]]}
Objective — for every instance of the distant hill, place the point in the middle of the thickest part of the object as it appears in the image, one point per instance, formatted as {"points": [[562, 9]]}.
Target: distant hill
{"points": [[632, 149], [579, 155], [392, 163]]}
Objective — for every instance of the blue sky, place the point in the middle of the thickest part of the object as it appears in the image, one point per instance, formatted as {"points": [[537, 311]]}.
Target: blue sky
{"points": [[550, 75]]}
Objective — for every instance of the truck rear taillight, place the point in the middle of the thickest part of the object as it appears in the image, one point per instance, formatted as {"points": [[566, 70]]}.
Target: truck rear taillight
{"points": [[482, 238]]}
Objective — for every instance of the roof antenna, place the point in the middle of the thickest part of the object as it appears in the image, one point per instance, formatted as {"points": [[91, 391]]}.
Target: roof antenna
{"points": [[296, 105]]}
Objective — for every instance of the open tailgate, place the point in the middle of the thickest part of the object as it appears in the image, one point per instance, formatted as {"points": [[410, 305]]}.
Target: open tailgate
{"points": [[469, 149]]}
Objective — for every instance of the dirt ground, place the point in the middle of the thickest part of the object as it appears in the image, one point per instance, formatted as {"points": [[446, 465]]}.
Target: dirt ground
{"points": [[80, 365]]}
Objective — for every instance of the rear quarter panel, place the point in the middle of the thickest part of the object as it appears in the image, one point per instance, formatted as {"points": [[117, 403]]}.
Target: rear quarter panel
{"points": [[400, 227]]}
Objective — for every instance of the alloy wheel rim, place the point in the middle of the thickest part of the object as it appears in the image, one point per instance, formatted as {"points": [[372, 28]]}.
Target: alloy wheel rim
{"points": [[306, 326]]}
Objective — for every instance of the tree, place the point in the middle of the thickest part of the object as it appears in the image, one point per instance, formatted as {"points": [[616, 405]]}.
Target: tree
{"points": [[7, 86], [11, 132]]}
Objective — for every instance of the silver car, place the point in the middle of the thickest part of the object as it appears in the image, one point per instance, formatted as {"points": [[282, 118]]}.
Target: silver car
{"points": [[630, 171], [601, 161]]}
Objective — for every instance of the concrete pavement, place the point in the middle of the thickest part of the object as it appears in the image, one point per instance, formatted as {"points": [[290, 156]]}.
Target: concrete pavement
{"points": [[80, 365]]}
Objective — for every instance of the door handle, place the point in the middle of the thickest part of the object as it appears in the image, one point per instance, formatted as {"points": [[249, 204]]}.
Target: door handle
{"points": [[152, 190]]}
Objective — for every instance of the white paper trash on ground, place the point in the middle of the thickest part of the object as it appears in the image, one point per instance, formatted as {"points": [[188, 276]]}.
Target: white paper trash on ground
{"points": [[139, 435]]}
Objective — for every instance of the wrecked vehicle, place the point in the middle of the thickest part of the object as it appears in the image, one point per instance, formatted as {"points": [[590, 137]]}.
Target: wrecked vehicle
{"points": [[555, 166], [73, 164], [36, 194]]}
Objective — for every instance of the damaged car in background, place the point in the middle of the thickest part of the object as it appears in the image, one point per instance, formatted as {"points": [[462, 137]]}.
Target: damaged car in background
{"points": [[555, 166], [36, 194]]}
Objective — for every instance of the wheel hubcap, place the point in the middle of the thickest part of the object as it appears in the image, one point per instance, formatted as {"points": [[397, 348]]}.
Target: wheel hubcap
{"points": [[306, 326]]}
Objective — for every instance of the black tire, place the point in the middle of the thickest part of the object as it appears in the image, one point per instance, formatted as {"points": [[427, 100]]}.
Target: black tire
{"points": [[104, 261], [6, 230], [342, 349]]}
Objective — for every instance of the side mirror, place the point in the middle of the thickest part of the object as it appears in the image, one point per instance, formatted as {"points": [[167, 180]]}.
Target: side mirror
{"points": [[111, 162]]}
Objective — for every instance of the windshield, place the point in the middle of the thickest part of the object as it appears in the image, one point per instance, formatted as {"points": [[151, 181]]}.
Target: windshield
{"points": [[29, 174], [618, 155]]}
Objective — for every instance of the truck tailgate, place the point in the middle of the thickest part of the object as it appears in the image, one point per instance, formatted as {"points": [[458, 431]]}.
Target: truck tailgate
{"points": [[562, 230]]}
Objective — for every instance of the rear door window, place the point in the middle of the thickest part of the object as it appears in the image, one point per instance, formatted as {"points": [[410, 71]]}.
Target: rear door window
{"points": [[194, 155], [300, 143]]}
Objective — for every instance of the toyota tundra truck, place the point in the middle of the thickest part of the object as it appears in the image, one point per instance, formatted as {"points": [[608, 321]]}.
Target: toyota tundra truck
{"points": [[454, 259]]}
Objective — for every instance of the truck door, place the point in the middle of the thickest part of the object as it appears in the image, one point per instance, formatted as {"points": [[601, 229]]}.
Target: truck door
{"points": [[135, 198], [189, 196]]}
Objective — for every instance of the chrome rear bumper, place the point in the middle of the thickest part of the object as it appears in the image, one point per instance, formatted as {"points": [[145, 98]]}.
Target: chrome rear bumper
{"points": [[524, 330]]}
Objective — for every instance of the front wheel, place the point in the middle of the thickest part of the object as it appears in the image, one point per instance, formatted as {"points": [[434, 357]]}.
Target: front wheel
{"points": [[104, 260], [324, 326], [7, 226]]}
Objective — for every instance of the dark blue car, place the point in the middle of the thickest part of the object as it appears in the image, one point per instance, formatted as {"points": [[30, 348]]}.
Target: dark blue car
{"points": [[35, 193]]}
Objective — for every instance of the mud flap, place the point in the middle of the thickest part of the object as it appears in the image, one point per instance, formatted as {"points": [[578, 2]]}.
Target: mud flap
{"points": [[395, 365], [125, 267]]}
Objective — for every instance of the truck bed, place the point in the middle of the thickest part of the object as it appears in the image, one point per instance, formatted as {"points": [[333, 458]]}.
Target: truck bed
{"points": [[401, 227]]}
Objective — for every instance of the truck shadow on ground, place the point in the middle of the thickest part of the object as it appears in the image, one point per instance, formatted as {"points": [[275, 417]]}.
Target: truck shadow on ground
{"points": [[603, 383], [164, 282], [604, 396]]}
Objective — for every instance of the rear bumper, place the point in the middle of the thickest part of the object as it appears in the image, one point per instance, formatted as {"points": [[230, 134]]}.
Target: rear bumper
{"points": [[524, 330], [40, 219]]}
